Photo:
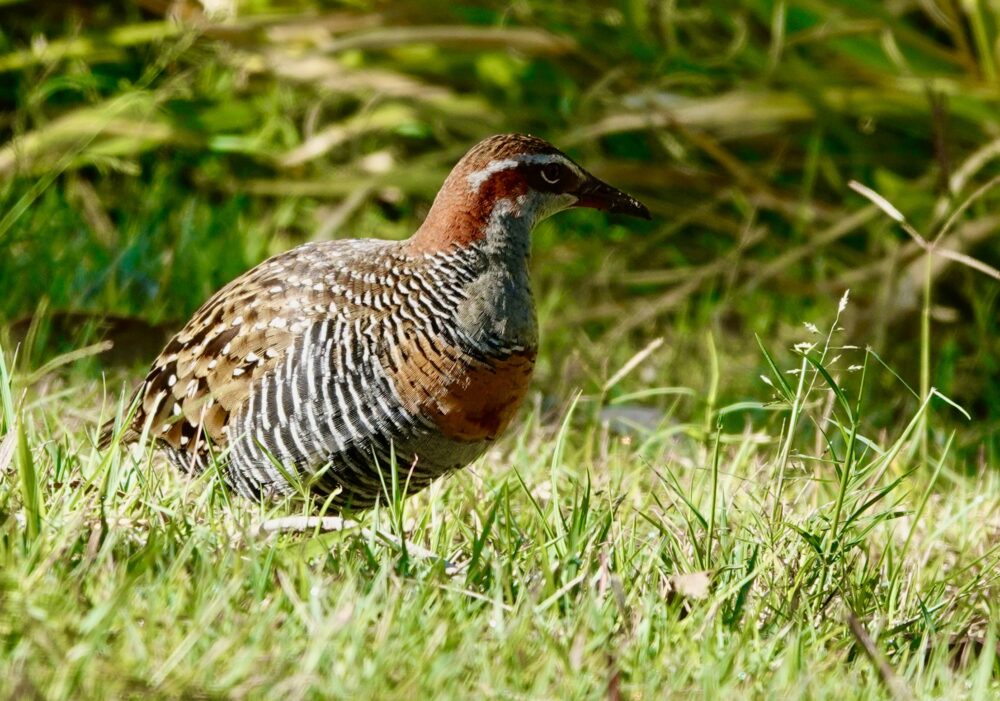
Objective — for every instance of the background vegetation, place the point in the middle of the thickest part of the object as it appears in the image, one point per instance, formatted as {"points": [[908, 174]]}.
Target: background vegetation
{"points": [[733, 477]]}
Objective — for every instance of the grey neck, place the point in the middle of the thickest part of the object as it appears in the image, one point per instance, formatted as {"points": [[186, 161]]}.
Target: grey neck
{"points": [[499, 309]]}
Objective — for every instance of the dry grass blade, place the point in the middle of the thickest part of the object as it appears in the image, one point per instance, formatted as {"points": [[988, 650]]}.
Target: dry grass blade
{"points": [[931, 247], [892, 682], [301, 524], [882, 203], [7, 448], [323, 71], [82, 192], [132, 116], [67, 358], [328, 524], [384, 118], [633, 363], [300, 29], [973, 164], [969, 262], [533, 41], [839, 229], [969, 234], [736, 109]]}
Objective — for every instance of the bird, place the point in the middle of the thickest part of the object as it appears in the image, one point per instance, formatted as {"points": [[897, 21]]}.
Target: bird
{"points": [[322, 367]]}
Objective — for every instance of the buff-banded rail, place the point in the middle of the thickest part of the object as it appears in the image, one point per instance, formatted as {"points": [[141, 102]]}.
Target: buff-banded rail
{"points": [[327, 362]]}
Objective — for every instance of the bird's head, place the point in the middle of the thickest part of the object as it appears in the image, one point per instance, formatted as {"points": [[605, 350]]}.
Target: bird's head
{"points": [[514, 178]]}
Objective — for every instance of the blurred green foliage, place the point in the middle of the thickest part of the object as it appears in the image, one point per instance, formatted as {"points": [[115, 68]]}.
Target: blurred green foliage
{"points": [[151, 152]]}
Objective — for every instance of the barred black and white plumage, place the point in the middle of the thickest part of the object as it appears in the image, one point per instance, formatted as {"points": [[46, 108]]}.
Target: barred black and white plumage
{"points": [[329, 361]]}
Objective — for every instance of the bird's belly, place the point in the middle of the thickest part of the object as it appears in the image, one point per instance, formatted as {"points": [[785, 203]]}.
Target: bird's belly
{"points": [[459, 421], [430, 414]]}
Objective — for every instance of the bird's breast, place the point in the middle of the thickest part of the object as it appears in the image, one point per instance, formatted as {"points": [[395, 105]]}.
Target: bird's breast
{"points": [[464, 397], [479, 403]]}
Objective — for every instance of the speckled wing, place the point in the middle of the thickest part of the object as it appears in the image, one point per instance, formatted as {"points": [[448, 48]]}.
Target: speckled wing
{"points": [[208, 370]]}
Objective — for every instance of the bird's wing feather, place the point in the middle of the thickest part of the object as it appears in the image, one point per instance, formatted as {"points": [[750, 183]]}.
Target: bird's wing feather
{"points": [[207, 371]]}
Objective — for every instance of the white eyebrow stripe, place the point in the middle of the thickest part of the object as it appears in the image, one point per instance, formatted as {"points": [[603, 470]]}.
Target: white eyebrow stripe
{"points": [[479, 177]]}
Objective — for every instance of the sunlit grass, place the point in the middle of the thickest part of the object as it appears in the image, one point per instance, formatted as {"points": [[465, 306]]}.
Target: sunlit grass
{"points": [[571, 559]]}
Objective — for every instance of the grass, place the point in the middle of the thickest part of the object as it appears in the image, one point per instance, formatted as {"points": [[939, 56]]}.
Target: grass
{"points": [[682, 510], [577, 560]]}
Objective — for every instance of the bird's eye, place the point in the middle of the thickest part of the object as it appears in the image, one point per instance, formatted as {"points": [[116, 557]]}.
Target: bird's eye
{"points": [[551, 173]]}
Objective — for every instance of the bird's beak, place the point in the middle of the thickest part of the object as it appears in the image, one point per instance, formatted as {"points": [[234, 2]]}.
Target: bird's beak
{"points": [[597, 194]]}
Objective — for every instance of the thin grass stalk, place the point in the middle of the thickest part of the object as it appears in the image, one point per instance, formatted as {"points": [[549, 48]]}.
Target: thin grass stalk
{"points": [[555, 466], [917, 515], [984, 675], [981, 36], [845, 477], [713, 384], [787, 446], [925, 356], [396, 503], [715, 494], [6, 392]]}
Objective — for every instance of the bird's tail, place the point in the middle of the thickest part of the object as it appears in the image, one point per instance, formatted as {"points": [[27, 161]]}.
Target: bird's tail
{"points": [[106, 434]]}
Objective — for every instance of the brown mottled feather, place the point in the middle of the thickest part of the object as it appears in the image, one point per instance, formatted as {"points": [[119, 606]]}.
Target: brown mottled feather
{"points": [[214, 363]]}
